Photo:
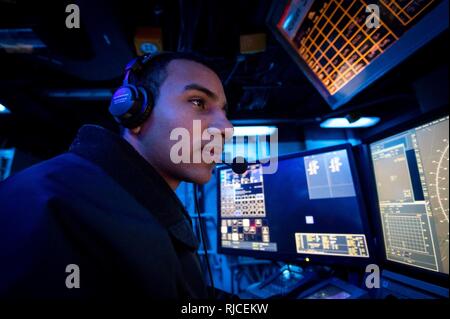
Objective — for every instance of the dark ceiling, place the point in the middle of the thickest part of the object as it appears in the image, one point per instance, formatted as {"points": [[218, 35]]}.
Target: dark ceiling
{"points": [[89, 62]]}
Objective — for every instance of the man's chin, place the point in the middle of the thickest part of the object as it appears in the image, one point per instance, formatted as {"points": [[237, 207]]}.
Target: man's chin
{"points": [[201, 174]]}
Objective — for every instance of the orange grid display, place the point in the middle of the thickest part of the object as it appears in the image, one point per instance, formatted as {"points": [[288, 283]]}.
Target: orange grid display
{"points": [[337, 45]]}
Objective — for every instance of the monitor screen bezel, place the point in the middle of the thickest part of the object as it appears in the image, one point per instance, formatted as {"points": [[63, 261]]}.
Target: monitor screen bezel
{"points": [[373, 203], [319, 259]]}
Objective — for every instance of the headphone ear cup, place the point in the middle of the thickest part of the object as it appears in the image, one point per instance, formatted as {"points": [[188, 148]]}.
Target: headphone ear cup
{"points": [[149, 101], [131, 105], [146, 101], [123, 103]]}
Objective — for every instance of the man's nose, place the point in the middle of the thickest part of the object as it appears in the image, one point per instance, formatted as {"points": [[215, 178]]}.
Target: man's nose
{"points": [[222, 123]]}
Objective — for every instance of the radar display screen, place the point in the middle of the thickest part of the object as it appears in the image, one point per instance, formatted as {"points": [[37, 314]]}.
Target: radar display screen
{"points": [[411, 172]]}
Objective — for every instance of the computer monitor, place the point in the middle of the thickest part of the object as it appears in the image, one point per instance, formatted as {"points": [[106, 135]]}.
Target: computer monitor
{"points": [[310, 207], [342, 46], [411, 175]]}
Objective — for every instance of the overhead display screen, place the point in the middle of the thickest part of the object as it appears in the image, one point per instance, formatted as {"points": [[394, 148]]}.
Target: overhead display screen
{"points": [[345, 45]]}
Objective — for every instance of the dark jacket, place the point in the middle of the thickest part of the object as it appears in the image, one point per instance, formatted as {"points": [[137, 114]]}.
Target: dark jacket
{"points": [[102, 207]]}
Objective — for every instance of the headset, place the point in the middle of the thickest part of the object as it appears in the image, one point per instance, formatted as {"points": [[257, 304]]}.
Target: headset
{"points": [[132, 104]]}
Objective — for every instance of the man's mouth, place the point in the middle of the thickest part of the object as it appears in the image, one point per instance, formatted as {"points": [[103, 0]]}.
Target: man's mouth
{"points": [[215, 153]]}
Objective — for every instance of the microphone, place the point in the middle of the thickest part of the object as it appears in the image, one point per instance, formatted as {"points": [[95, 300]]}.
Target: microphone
{"points": [[239, 165]]}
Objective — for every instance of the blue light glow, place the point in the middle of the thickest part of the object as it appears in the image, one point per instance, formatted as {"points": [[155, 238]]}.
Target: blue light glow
{"points": [[342, 122], [3, 109], [253, 130]]}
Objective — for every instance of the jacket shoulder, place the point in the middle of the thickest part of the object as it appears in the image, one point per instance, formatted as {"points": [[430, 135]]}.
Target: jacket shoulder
{"points": [[67, 210], [39, 177], [71, 183]]}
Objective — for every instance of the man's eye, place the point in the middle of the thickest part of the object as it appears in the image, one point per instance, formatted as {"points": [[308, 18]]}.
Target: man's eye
{"points": [[199, 103]]}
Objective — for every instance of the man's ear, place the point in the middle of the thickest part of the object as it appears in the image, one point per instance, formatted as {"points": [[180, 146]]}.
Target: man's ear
{"points": [[136, 130]]}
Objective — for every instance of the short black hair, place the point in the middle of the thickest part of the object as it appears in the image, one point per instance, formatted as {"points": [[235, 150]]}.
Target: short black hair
{"points": [[154, 72]]}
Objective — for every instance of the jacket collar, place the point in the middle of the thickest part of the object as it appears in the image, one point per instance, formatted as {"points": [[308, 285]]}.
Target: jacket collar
{"points": [[126, 166]]}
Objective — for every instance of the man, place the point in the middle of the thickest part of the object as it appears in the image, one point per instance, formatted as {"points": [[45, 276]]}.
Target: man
{"points": [[103, 220]]}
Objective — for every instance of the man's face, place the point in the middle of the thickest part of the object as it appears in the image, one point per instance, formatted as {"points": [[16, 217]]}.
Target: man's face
{"points": [[190, 92]]}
